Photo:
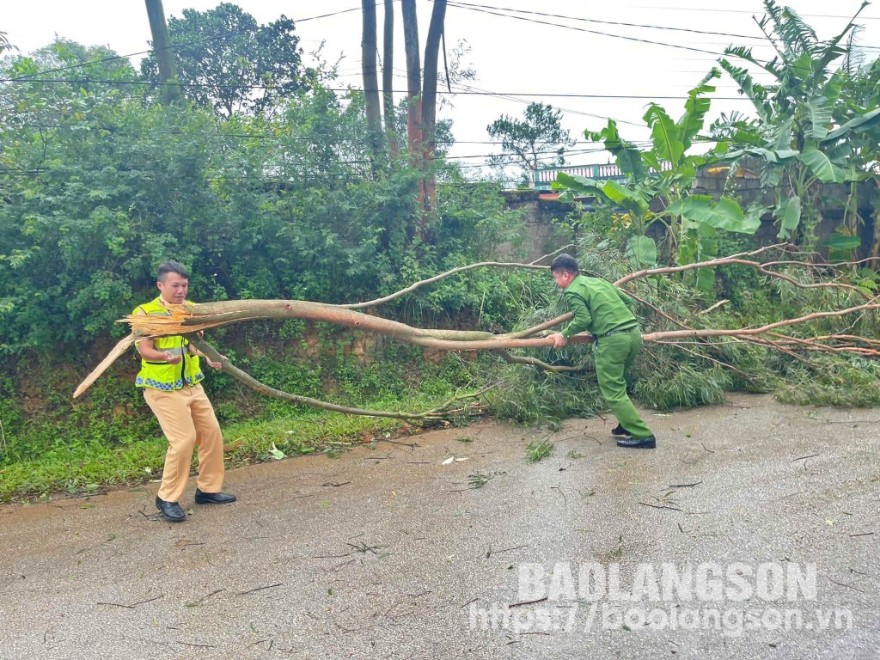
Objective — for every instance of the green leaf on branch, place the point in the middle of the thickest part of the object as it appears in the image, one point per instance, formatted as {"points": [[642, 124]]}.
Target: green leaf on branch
{"points": [[628, 158], [696, 107], [821, 165], [607, 191], [578, 184], [843, 242], [621, 194], [665, 135], [858, 125], [641, 251], [723, 214], [841, 246], [820, 116], [788, 212], [687, 250], [705, 279], [769, 155]]}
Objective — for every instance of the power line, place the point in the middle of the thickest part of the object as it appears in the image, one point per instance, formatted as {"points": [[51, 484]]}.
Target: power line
{"points": [[173, 46], [485, 8], [463, 88], [400, 74], [595, 20], [489, 10], [221, 137], [748, 11], [79, 65], [648, 97], [580, 29], [526, 101]]}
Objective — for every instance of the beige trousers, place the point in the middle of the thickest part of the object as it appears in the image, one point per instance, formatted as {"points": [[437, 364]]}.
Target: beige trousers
{"points": [[187, 419]]}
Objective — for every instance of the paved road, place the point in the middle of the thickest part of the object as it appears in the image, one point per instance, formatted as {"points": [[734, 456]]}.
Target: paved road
{"points": [[751, 532]]}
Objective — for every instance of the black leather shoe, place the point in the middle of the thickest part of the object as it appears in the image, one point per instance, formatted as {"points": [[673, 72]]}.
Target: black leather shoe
{"points": [[171, 511], [620, 431], [213, 498], [638, 443]]}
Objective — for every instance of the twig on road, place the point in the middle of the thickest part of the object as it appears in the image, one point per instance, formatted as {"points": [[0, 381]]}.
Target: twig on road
{"points": [[133, 605], [660, 506], [528, 602], [268, 586], [696, 483]]}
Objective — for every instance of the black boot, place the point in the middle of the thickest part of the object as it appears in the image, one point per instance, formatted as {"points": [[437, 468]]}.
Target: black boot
{"points": [[620, 431], [638, 443], [171, 511], [213, 498]]}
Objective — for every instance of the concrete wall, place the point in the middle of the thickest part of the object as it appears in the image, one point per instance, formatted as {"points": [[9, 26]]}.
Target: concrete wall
{"points": [[545, 234], [541, 216], [746, 188]]}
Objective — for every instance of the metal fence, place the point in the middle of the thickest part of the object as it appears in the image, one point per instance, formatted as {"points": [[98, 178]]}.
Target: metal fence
{"points": [[544, 176]]}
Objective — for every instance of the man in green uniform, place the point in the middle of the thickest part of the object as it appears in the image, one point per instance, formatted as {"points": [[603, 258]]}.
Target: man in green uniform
{"points": [[601, 309], [170, 378]]}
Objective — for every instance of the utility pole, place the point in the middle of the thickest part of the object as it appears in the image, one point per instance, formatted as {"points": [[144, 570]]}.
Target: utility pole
{"points": [[162, 48]]}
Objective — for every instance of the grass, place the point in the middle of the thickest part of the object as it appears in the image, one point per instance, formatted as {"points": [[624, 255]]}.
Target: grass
{"points": [[683, 386], [833, 383], [114, 442], [480, 479], [538, 450], [83, 468]]}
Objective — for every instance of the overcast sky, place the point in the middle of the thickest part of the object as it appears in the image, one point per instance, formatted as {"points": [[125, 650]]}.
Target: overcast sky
{"points": [[561, 53]]}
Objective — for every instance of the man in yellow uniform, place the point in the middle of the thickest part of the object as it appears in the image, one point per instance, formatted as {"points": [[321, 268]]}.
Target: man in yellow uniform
{"points": [[170, 378], [601, 309]]}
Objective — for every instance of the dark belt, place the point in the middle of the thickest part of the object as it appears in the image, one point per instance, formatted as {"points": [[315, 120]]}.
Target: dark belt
{"points": [[616, 330]]}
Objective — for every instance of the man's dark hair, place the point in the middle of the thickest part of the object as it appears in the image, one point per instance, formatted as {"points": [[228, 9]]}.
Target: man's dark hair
{"points": [[171, 267], [565, 262]]}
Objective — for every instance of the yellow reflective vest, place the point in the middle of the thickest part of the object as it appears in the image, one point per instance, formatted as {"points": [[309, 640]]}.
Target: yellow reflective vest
{"points": [[161, 375]]}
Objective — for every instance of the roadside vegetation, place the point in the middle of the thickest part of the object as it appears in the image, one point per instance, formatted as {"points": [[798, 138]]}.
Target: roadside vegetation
{"points": [[285, 198]]}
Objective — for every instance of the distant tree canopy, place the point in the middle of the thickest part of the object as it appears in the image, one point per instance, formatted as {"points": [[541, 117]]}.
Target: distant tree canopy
{"points": [[536, 140], [228, 62], [100, 183], [270, 192]]}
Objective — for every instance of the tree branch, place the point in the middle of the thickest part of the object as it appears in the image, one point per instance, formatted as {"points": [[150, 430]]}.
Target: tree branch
{"points": [[262, 388], [192, 318], [725, 261], [455, 271]]}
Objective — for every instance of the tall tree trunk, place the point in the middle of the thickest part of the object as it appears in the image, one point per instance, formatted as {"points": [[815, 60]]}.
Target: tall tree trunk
{"points": [[432, 56], [414, 135], [162, 48], [413, 80], [429, 103], [388, 78], [371, 80]]}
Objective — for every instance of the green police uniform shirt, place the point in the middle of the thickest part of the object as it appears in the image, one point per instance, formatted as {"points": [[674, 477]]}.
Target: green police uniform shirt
{"points": [[598, 307]]}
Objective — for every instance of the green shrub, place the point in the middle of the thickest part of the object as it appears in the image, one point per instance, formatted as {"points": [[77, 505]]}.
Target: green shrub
{"points": [[833, 381], [685, 387]]}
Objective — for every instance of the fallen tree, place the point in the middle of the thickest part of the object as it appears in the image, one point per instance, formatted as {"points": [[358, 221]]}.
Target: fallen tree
{"points": [[192, 319]]}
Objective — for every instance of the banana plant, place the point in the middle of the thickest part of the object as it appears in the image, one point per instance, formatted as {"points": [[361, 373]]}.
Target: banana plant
{"points": [[793, 136], [658, 187]]}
